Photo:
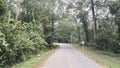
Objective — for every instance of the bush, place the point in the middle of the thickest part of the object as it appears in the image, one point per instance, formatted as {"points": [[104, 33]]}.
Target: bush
{"points": [[107, 41], [115, 48], [18, 41]]}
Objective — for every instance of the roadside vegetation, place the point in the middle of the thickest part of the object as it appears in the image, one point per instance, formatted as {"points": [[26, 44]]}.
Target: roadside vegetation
{"points": [[104, 58], [28, 27], [34, 60]]}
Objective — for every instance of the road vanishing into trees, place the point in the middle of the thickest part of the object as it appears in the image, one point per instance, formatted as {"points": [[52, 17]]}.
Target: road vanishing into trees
{"points": [[69, 57]]}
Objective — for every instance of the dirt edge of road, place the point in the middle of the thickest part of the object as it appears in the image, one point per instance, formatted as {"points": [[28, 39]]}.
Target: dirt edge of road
{"points": [[90, 57], [40, 64]]}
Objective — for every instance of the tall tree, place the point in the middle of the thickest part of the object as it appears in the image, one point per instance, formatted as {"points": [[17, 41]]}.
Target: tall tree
{"points": [[115, 10], [83, 18], [94, 18], [3, 10]]}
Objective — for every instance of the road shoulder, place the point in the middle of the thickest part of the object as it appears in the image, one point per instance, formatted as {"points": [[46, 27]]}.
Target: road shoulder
{"points": [[40, 64]]}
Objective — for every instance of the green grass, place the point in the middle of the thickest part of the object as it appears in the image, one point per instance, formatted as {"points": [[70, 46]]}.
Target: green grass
{"points": [[104, 58], [33, 61]]}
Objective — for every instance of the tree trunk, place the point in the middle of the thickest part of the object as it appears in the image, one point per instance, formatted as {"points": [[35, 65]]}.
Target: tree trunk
{"points": [[33, 16], [9, 15], [52, 31], [86, 30], [94, 19], [119, 31]]}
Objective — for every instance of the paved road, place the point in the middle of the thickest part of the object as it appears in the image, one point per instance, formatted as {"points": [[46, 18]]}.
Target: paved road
{"points": [[68, 57]]}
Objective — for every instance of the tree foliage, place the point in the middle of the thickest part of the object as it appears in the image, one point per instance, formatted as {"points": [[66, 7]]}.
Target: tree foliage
{"points": [[30, 26], [20, 40], [27, 30], [2, 9], [65, 31]]}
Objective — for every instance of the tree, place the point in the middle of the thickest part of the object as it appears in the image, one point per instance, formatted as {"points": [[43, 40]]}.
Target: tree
{"points": [[83, 18], [115, 10], [94, 18], [3, 10], [65, 30], [28, 36]]}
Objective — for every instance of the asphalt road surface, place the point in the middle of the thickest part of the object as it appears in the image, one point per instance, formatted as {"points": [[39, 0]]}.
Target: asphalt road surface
{"points": [[69, 57]]}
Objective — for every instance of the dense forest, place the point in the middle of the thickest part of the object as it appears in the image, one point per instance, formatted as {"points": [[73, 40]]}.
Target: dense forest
{"points": [[30, 26], [95, 22]]}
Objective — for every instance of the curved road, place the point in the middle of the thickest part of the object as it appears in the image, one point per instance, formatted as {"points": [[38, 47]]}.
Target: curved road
{"points": [[69, 57]]}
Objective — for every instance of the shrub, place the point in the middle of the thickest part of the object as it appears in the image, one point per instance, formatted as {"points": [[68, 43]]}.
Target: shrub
{"points": [[19, 40], [107, 41]]}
